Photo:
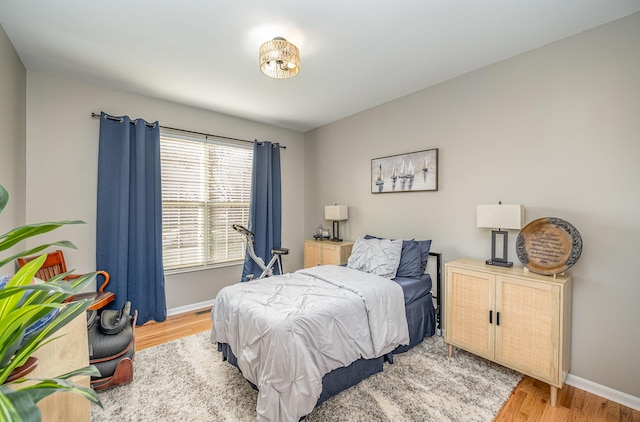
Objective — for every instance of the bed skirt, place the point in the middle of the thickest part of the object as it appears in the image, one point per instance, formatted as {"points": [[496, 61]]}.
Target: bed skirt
{"points": [[421, 318]]}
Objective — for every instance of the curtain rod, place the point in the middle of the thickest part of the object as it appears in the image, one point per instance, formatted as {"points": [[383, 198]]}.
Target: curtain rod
{"points": [[97, 115]]}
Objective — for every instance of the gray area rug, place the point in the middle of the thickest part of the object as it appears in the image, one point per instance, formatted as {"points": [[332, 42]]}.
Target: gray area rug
{"points": [[186, 380]]}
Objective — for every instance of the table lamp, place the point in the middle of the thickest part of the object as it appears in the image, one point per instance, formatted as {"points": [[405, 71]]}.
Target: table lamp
{"points": [[500, 216], [336, 213]]}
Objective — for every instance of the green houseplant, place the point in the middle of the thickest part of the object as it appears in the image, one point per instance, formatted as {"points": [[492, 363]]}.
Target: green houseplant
{"points": [[22, 306]]}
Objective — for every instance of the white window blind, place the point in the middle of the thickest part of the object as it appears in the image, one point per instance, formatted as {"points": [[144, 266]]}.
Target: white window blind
{"points": [[206, 187]]}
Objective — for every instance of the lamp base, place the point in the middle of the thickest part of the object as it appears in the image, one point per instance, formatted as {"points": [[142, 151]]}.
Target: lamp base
{"points": [[499, 263], [336, 232]]}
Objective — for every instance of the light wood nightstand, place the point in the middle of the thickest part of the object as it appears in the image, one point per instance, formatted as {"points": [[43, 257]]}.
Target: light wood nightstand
{"points": [[326, 252]]}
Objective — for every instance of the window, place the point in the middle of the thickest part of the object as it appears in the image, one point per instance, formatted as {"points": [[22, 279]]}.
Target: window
{"points": [[206, 187]]}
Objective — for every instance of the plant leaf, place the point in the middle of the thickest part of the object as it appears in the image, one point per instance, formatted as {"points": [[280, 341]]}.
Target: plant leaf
{"points": [[90, 370], [22, 278], [66, 314], [33, 251], [48, 386], [21, 233], [13, 329], [49, 287], [16, 405], [23, 304]]}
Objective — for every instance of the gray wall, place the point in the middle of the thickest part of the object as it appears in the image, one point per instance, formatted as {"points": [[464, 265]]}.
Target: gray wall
{"points": [[556, 129], [13, 82], [62, 147]]}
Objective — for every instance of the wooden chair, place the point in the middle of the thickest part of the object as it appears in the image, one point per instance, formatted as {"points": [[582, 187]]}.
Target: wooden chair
{"points": [[55, 265]]}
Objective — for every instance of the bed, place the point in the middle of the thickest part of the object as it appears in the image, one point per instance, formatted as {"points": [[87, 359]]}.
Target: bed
{"points": [[301, 338]]}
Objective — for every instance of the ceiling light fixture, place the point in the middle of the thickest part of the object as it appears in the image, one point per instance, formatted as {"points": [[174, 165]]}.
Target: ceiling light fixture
{"points": [[279, 59]]}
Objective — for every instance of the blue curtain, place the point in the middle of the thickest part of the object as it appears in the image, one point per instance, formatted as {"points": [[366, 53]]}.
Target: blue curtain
{"points": [[129, 218], [265, 211]]}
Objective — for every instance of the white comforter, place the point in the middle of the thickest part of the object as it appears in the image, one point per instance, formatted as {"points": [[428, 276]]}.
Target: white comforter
{"points": [[289, 331]]}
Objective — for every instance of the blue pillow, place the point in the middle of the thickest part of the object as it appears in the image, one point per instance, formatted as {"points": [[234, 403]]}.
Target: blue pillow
{"points": [[425, 246], [410, 260], [411, 263]]}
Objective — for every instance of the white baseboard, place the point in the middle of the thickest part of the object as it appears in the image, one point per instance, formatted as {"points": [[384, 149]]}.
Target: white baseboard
{"points": [[603, 391], [190, 308]]}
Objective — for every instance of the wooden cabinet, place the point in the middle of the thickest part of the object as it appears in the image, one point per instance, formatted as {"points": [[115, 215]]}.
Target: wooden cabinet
{"points": [[317, 252], [66, 353], [515, 318]]}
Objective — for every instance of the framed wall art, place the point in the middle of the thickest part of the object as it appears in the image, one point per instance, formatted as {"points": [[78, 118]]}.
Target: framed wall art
{"points": [[412, 172]]}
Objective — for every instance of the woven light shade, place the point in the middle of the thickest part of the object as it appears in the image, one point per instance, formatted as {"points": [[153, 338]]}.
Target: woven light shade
{"points": [[279, 59]]}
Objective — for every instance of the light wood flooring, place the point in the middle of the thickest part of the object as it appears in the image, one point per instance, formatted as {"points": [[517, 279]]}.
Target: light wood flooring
{"points": [[528, 402], [176, 326]]}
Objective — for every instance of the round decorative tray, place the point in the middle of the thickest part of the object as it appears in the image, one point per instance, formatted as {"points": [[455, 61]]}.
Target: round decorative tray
{"points": [[549, 246]]}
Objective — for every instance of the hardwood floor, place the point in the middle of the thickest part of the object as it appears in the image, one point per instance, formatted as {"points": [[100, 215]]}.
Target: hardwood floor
{"points": [[176, 326], [529, 401]]}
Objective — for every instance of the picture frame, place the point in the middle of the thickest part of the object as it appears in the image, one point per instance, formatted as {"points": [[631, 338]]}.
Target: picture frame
{"points": [[411, 172]]}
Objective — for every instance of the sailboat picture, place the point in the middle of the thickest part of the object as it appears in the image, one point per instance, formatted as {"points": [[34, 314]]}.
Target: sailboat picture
{"points": [[412, 172], [380, 177]]}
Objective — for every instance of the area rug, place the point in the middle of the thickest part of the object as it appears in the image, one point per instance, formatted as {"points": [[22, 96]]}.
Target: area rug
{"points": [[186, 380]]}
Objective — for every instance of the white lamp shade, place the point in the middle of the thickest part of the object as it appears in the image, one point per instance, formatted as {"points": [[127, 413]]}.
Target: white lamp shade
{"points": [[336, 212], [500, 216]]}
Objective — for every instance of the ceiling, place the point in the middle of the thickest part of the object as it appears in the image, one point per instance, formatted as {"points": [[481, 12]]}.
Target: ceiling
{"points": [[355, 54]]}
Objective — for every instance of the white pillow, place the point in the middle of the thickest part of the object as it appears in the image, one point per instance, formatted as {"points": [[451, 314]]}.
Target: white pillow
{"points": [[376, 256]]}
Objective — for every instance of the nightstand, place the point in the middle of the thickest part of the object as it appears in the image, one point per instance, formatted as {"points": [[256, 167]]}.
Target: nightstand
{"points": [[518, 319], [326, 252]]}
